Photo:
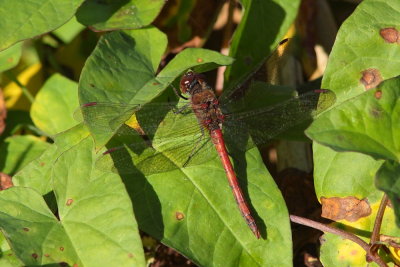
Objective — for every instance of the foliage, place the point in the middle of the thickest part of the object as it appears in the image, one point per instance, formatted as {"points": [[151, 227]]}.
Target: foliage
{"points": [[72, 205]]}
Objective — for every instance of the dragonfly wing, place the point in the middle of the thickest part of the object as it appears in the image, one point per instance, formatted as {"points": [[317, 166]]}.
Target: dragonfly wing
{"points": [[158, 158], [105, 120], [169, 140], [263, 124]]}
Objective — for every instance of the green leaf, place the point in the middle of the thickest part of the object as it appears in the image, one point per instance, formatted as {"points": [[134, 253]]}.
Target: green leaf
{"points": [[37, 174], [192, 210], [360, 55], [387, 180], [93, 209], [7, 256], [122, 69], [335, 175], [54, 105], [9, 260], [359, 46], [69, 30], [9, 58], [366, 124], [118, 14], [26, 19], [262, 27], [122, 64], [17, 151]]}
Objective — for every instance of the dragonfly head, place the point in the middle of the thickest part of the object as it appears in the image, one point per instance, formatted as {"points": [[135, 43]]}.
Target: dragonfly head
{"points": [[187, 81]]}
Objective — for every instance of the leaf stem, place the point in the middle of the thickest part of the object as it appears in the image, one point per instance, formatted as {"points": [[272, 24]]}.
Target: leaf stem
{"points": [[344, 234], [378, 220], [25, 90]]}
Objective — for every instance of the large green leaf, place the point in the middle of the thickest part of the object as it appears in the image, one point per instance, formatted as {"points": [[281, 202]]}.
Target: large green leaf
{"points": [[122, 69], [366, 124], [95, 224], [26, 19], [360, 59], [17, 151], [118, 14], [359, 46], [192, 210], [54, 105], [262, 27]]}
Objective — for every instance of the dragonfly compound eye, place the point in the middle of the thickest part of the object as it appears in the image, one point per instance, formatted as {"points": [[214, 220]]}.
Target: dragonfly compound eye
{"points": [[186, 81]]}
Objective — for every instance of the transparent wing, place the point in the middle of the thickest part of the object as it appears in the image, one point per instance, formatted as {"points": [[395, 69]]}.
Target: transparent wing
{"points": [[161, 156], [262, 124], [159, 138]]}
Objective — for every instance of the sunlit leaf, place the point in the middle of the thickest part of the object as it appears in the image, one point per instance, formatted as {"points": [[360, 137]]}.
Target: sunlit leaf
{"points": [[26, 19]]}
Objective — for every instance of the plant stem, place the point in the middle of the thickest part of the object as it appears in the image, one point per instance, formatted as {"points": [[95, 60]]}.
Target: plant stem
{"points": [[25, 90], [344, 234], [378, 220]]}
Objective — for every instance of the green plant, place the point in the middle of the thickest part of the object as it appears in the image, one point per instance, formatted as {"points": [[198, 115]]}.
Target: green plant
{"points": [[64, 209]]}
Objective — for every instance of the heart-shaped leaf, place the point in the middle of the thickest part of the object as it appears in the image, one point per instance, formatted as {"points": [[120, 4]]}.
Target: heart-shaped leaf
{"points": [[26, 19], [93, 209], [118, 14]]}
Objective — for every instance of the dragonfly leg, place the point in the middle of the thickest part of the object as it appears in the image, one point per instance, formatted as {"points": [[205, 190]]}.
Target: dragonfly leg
{"points": [[178, 93], [181, 109]]}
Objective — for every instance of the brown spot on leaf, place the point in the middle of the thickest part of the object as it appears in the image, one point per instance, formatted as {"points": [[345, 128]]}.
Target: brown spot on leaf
{"points": [[25, 229], [69, 202], [91, 84], [35, 256], [156, 83], [390, 35], [378, 94], [199, 60], [348, 208], [61, 248], [130, 255], [46, 255], [179, 215], [75, 265], [371, 78], [10, 60], [353, 252], [5, 181], [42, 164]]}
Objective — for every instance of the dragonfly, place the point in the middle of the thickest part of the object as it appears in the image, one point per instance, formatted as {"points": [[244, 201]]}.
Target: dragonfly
{"points": [[183, 134]]}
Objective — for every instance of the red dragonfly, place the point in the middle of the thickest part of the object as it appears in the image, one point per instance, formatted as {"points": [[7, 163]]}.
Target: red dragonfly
{"points": [[175, 140], [206, 108]]}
